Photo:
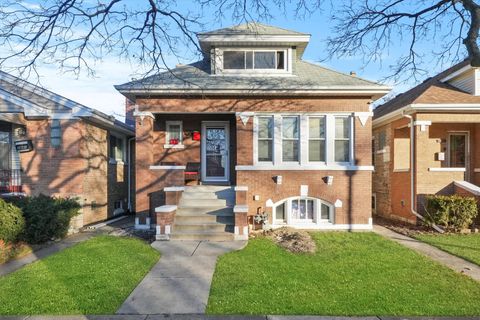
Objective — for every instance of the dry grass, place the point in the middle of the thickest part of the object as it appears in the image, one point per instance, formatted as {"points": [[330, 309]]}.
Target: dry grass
{"points": [[293, 240]]}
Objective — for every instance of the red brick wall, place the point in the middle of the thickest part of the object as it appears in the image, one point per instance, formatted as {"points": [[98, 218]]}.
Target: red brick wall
{"points": [[78, 167], [353, 188]]}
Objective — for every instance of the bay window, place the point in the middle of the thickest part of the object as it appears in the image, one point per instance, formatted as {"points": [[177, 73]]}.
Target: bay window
{"points": [[316, 139], [342, 139], [290, 139], [265, 139], [303, 140]]}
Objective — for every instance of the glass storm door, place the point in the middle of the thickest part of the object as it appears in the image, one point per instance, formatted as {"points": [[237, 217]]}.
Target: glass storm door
{"points": [[458, 152], [215, 155]]}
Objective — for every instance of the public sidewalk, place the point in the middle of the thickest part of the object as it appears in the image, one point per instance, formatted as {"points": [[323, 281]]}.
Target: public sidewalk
{"points": [[453, 262], [180, 281]]}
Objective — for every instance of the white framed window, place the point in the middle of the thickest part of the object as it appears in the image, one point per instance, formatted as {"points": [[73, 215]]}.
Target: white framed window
{"points": [[290, 138], [265, 139], [342, 142], [298, 211], [262, 59], [316, 139], [116, 148], [173, 134], [298, 140], [56, 133]]}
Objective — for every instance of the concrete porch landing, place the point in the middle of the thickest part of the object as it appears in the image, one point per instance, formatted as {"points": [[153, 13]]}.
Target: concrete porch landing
{"points": [[180, 281]]}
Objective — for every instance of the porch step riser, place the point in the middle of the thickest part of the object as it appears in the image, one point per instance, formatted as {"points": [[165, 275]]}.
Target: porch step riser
{"points": [[208, 196], [200, 236], [211, 228], [199, 211], [196, 189], [195, 203], [202, 219]]}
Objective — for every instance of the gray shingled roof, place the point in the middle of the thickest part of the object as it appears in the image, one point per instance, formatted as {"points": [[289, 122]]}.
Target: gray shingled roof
{"points": [[253, 28], [195, 76], [24, 91]]}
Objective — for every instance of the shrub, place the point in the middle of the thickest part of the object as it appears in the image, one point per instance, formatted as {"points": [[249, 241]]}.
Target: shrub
{"points": [[12, 223], [453, 212], [46, 217]]}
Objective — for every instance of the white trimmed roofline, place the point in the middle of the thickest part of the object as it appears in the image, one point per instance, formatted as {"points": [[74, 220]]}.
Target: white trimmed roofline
{"points": [[320, 91], [415, 107], [456, 73], [31, 109]]}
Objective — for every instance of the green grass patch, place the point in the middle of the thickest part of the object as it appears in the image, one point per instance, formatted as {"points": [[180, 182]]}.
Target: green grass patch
{"points": [[93, 277], [466, 246], [350, 274]]}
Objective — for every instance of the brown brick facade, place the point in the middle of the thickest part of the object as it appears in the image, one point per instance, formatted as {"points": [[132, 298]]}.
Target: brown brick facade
{"points": [[352, 188], [392, 186]]}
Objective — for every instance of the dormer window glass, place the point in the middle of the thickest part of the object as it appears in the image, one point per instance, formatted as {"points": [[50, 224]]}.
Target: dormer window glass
{"points": [[254, 59]]}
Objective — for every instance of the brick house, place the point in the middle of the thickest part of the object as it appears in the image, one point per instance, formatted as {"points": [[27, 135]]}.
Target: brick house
{"points": [[264, 133], [432, 128], [55, 146]]}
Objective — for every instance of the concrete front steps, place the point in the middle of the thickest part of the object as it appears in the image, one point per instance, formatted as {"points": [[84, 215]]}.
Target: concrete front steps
{"points": [[205, 213]]}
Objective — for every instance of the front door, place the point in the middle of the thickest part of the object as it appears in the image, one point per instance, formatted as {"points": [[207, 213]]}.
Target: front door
{"points": [[458, 150], [215, 151]]}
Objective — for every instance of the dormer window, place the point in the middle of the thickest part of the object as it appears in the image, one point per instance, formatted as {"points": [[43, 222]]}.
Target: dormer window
{"points": [[261, 60]]}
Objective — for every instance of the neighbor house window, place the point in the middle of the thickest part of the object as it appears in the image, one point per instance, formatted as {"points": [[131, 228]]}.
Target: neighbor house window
{"points": [[116, 148], [316, 139], [299, 210], [258, 59], [265, 139], [290, 139], [56, 134], [342, 139], [174, 134]]}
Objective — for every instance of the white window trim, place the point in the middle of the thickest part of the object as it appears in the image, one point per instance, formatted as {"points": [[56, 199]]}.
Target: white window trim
{"points": [[299, 139], [296, 222], [167, 145], [350, 141], [287, 61], [255, 142], [124, 151], [308, 138], [303, 162]]}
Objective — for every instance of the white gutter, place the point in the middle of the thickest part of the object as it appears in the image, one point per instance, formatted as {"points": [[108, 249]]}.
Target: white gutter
{"points": [[129, 174], [412, 174], [414, 107]]}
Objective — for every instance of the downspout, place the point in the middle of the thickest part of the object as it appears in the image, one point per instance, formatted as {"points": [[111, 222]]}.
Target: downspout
{"points": [[412, 174], [129, 169]]}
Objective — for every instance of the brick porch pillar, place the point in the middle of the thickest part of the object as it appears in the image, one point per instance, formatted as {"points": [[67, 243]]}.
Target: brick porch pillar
{"points": [[241, 211]]}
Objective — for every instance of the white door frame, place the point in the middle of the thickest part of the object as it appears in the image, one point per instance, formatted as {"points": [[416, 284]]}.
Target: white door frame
{"points": [[226, 125]]}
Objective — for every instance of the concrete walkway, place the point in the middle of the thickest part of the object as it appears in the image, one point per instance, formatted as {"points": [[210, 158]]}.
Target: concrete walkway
{"points": [[453, 262], [180, 281], [49, 249]]}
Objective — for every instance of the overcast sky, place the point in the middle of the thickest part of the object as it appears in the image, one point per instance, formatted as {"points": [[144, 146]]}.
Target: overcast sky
{"points": [[99, 93]]}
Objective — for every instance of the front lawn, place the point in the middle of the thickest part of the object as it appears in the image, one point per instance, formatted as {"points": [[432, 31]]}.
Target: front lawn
{"points": [[93, 277], [350, 274], [466, 246]]}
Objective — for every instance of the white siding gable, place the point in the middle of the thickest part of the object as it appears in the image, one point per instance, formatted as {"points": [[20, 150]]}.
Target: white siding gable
{"points": [[467, 81]]}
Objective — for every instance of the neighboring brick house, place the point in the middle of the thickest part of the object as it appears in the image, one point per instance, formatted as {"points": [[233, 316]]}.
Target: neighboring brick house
{"points": [[445, 113], [54, 146], [287, 138]]}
